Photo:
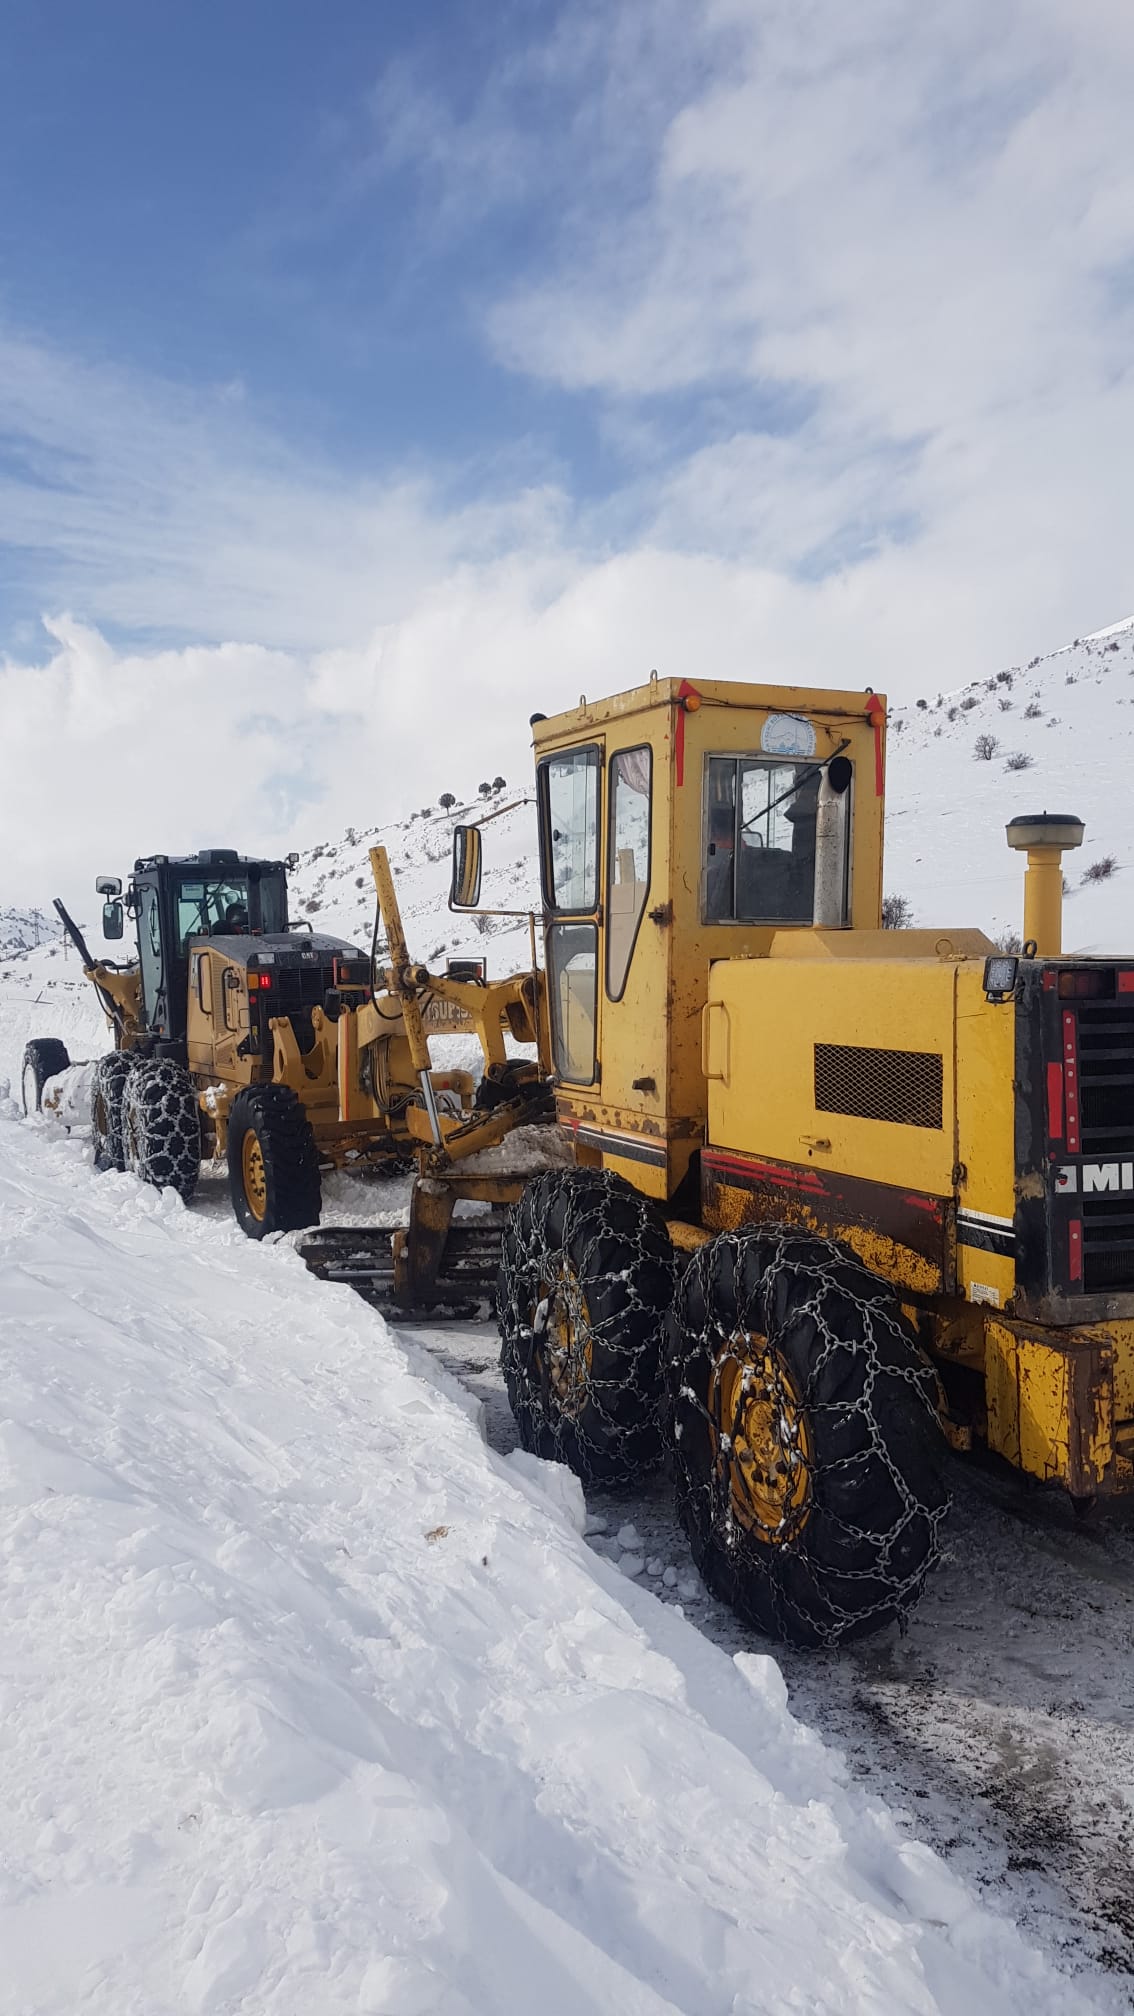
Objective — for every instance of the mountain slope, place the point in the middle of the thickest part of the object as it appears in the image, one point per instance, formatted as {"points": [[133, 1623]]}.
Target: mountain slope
{"points": [[1062, 734]]}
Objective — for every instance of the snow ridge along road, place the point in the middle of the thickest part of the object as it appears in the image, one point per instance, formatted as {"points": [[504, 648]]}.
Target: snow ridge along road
{"points": [[312, 1703]]}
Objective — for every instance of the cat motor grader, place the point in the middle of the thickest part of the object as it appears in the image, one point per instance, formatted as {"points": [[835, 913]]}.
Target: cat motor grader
{"points": [[288, 1052], [837, 1192]]}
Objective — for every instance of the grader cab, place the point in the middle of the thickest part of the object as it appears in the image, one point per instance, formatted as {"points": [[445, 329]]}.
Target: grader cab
{"points": [[838, 1192]]}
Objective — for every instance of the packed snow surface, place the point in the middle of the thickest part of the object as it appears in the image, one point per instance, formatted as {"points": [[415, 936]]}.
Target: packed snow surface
{"points": [[313, 1704]]}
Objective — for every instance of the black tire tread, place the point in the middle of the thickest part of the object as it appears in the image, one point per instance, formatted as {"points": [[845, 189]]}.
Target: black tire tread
{"points": [[108, 1090], [46, 1056], [619, 1247], [291, 1161], [161, 1126], [860, 1559]]}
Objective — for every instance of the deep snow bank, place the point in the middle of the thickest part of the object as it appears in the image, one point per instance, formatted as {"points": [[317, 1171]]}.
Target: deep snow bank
{"points": [[312, 1704]]}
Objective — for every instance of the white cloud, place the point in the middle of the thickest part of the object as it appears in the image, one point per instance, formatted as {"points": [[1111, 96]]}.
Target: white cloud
{"points": [[905, 237]]}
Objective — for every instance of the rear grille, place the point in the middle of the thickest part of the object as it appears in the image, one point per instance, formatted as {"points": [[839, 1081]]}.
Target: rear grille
{"points": [[902, 1086], [1106, 1077], [1106, 1106], [299, 987]]}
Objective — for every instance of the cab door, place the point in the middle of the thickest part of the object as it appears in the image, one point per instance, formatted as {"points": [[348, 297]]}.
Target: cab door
{"points": [[570, 802]]}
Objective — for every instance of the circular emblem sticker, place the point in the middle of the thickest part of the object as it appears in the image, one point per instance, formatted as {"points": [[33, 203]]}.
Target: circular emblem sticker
{"points": [[787, 735]]}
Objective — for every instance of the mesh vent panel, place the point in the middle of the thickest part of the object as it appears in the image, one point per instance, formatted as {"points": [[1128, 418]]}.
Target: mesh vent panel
{"points": [[903, 1086]]}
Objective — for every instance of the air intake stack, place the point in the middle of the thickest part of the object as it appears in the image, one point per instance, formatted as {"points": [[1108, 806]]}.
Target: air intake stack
{"points": [[1045, 836]]}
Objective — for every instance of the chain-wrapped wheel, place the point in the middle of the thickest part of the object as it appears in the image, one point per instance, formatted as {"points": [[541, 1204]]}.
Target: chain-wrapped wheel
{"points": [[585, 1283], [808, 1448], [161, 1127], [108, 1090]]}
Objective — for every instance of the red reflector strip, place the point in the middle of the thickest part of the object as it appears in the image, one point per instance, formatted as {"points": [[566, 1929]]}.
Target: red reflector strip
{"points": [[1126, 983], [1075, 1249], [1071, 1080], [1055, 1102]]}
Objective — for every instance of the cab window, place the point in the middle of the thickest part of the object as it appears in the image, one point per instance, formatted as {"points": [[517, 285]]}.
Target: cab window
{"points": [[572, 971], [211, 909], [569, 818], [628, 861], [149, 948], [758, 863]]}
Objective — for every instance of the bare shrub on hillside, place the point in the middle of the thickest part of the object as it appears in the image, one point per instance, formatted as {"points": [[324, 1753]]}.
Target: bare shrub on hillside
{"points": [[1101, 870], [897, 913], [985, 748], [1020, 760]]}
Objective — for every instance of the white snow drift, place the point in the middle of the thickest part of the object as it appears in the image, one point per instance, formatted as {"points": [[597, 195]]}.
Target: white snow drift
{"points": [[311, 1704]]}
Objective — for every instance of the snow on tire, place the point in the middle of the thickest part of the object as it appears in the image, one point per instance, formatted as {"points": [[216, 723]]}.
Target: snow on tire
{"points": [[107, 1093], [161, 1127], [585, 1283], [44, 1058], [808, 1449]]}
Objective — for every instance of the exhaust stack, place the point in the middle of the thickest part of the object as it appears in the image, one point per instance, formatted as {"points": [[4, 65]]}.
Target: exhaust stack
{"points": [[1045, 836]]}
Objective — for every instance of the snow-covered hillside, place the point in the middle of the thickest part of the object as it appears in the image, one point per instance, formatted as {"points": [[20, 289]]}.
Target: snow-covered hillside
{"points": [[23, 930], [1061, 731], [311, 1703], [1062, 736]]}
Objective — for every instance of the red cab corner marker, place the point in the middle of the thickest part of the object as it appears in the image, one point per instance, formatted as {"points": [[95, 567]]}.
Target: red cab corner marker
{"points": [[876, 715]]}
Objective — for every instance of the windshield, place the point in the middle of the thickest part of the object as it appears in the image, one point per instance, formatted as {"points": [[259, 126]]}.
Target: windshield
{"points": [[229, 905]]}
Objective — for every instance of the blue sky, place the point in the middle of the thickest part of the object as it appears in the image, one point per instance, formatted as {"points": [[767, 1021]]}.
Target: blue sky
{"points": [[437, 362]]}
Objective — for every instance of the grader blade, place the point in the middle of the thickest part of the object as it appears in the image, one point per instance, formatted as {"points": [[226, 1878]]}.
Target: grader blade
{"points": [[366, 1258]]}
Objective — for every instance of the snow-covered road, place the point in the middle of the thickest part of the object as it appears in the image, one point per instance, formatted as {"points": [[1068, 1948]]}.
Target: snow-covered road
{"points": [[1002, 1725], [314, 1702]]}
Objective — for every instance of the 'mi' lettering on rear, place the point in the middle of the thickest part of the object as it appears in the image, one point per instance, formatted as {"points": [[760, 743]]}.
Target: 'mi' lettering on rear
{"points": [[1089, 1177]]}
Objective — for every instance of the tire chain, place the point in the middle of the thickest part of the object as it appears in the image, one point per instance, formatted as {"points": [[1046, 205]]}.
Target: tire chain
{"points": [[162, 1126], [863, 1345], [586, 1239], [109, 1086]]}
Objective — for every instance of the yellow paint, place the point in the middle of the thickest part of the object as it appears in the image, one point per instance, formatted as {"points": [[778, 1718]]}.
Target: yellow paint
{"points": [[1050, 1397], [649, 1041], [253, 1176], [1043, 899], [763, 1443], [766, 1103]]}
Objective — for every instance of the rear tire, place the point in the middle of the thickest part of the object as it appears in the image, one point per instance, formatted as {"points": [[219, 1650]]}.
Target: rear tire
{"points": [[586, 1279], [273, 1164], [108, 1089], [808, 1448], [44, 1057], [161, 1127]]}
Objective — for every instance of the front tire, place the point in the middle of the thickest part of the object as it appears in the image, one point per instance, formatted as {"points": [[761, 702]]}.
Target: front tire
{"points": [[108, 1090], [808, 1449], [161, 1127], [586, 1279], [273, 1165], [44, 1057]]}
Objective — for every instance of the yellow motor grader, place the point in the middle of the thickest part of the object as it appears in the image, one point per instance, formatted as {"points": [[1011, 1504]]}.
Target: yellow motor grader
{"points": [[289, 1052], [837, 1191]]}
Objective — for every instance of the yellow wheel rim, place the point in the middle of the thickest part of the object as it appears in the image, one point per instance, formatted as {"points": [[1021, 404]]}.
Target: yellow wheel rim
{"points": [[764, 1453], [565, 1347], [254, 1177]]}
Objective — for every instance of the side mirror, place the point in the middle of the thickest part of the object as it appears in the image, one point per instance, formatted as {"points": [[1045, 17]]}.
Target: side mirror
{"points": [[112, 926], [464, 889], [109, 885]]}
